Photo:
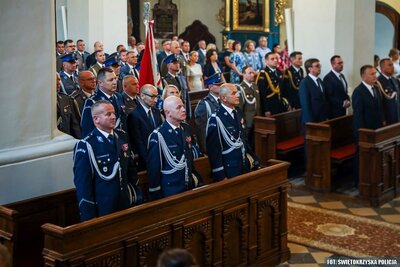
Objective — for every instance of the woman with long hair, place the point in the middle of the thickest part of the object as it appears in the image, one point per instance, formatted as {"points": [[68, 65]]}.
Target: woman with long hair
{"points": [[212, 65]]}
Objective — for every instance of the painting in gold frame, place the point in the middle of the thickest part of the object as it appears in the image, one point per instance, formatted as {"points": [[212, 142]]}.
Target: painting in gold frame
{"points": [[251, 15]]}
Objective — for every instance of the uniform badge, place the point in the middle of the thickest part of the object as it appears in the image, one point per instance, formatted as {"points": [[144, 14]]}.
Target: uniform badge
{"points": [[170, 131], [225, 113], [100, 139], [65, 110], [105, 169]]}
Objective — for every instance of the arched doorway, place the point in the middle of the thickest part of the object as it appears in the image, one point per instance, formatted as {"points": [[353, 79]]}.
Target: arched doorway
{"points": [[386, 15]]}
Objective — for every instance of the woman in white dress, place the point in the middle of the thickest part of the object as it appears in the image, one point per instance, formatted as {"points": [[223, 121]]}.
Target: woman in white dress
{"points": [[194, 73]]}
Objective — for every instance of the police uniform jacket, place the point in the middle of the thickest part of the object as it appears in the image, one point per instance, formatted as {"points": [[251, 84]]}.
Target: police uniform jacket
{"points": [[291, 86], [69, 85], [226, 163], [180, 81], [201, 115], [163, 179], [249, 103], [270, 93], [67, 116], [389, 90], [139, 128], [98, 191], [336, 94], [87, 124]]}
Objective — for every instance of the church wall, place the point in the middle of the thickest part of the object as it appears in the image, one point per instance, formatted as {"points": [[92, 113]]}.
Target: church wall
{"points": [[189, 10], [34, 157]]}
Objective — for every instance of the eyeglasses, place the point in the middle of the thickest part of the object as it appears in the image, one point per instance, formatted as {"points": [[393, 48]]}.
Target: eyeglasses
{"points": [[151, 96], [316, 66]]}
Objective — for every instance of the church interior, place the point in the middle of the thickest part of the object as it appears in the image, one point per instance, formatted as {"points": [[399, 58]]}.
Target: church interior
{"points": [[300, 209]]}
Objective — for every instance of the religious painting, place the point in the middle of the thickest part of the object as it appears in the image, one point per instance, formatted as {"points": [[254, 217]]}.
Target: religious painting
{"points": [[251, 15]]}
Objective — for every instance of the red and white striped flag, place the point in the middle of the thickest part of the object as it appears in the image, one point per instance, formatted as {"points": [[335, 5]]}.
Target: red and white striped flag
{"points": [[148, 65]]}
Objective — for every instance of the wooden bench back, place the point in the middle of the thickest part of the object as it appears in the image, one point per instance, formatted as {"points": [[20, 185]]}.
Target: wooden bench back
{"points": [[379, 168], [341, 131], [235, 222]]}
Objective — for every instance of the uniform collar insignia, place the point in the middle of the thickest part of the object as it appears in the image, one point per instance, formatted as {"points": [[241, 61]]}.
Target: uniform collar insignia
{"points": [[100, 139]]}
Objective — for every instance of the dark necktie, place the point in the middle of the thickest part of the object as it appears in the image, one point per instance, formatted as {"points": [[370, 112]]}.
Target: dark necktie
{"points": [[320, 85], [151, 120], [111, 138], [392, 85], [177, 81], [72, 78], [343, 81]]}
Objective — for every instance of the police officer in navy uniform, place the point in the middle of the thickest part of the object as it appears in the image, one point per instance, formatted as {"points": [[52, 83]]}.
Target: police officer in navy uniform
{"points": [[107, 86], [68, 75], [174, 76], [228, 151], [292, 79], [270, 83], [67, 113], [389, 89], [104, 172], [171, 150], [205, 107]]}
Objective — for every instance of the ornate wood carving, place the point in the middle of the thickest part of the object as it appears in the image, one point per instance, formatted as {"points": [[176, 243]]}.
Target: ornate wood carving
{"points": [[106, 261], [151, 246]]}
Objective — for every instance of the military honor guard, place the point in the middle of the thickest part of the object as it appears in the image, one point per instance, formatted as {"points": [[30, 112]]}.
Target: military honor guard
{"points": [[227, 148], [107, 86], [249, 102], [293, 77], [205, 107], [335, 85], [389, 89], [68, 75], [269, 82], [171, 150], [104, 172], [67, 113], [174, 76]]}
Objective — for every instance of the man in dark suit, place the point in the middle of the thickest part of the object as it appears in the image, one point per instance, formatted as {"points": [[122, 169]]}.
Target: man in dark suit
{"points": [[68, 74], [174, 76], [335, 85], [367, 108], [81, 54], [130, 67], [91, 59], [202, 53], [166, 51], [205, 108], [293, 77], [367, 102], [227, 147], [389, 89], [104, 172], [142, 121], [270, 83], [107, 86], [171, 153], [312, 94]]}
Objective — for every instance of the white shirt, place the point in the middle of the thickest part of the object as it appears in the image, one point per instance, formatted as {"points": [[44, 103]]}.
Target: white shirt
{"points": [[230, 110], [315, 79], [105, 133], [369, 87]]}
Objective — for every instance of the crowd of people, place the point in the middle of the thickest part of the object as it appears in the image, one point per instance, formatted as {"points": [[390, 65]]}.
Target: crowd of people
{"points": [[125, 129]]}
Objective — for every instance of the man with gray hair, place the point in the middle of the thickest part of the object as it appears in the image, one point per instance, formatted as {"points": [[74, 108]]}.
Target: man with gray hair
{"points": [[171, 150], [227, 148]]}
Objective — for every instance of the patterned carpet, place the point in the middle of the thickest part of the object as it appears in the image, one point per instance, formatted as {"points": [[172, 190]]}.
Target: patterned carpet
{"points": [[340, 233]]}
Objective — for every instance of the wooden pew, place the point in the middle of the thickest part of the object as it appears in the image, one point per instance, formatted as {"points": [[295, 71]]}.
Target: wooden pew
{"points": [[20, 222], [379, 168], [328, 142], [279, 134], [235, 222]]}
